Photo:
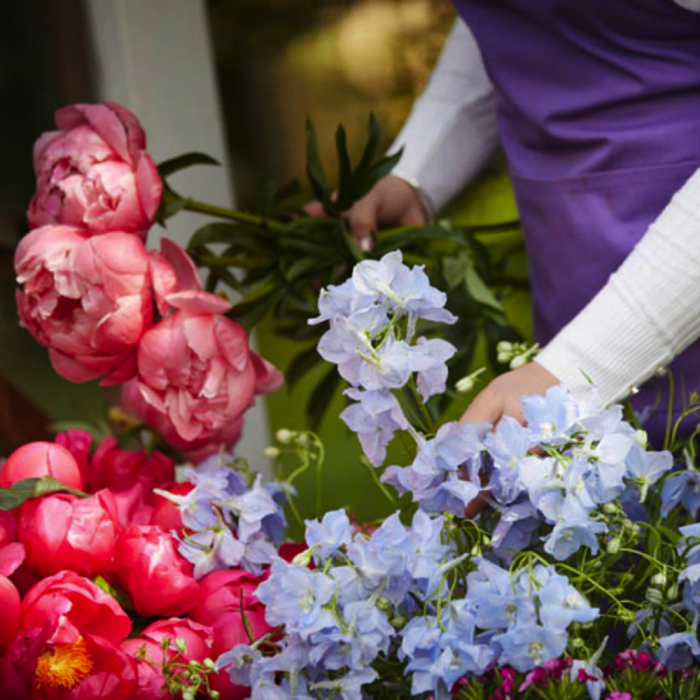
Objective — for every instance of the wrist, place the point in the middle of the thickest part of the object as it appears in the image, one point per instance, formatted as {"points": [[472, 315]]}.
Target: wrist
{"points": [[423, 198]]}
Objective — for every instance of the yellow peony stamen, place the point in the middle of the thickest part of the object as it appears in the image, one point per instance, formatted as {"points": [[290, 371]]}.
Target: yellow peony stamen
{"points": [[63, 665]]}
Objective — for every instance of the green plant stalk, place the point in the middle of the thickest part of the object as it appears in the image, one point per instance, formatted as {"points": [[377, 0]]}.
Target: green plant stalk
{"points": [[225, 213]]}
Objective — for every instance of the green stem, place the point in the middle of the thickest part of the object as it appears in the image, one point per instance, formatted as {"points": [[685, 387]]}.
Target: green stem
{"points": [[226, 213], [669, 411]]}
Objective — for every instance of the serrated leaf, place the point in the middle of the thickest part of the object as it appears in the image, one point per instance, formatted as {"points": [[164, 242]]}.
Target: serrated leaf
{"points": [[15, 495], [186, 160], [345, 195], [321, 398], [314, 169], [251, 311], [374, 135], [218, 232]]}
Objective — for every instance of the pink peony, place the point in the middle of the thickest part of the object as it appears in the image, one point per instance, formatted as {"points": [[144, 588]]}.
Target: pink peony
{"points": [[149, 655], [151, 570], [94, 172], [66, 647], [196, 378], [65, 532], [37, 459], [87, 299]]}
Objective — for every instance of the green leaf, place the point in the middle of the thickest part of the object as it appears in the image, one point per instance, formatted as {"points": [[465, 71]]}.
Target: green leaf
{"points": [[15, 495], [479, 291], [300, 366], [187, 160], [345, 195], [253, 309], [321, 398], [314, 169], [117, 593], [218, 232], [374, 135]]}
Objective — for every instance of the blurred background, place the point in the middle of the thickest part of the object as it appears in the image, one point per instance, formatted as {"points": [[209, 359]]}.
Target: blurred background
{"points": [[233, 78]]}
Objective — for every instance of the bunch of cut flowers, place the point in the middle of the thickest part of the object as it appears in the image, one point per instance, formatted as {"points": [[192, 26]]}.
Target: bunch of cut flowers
{"points": [[581, 577]]}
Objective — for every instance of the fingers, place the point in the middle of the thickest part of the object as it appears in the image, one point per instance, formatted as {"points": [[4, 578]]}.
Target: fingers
{"points": [[362, 220], [315, 209]]}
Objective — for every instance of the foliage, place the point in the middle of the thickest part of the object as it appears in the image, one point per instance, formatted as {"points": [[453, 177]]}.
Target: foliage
{"points": [[278, 257]]}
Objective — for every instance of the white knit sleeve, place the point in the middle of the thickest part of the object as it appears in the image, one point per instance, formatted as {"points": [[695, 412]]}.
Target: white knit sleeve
{"points": [[452, 131], [647, 313]]}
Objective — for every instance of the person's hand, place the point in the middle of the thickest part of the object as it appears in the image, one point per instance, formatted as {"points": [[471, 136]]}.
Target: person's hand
{"points": [[503, 397], [391, 202]]}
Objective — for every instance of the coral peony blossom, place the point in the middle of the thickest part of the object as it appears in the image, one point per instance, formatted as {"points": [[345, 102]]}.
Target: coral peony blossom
{"points": [[154, 574], [10, 604], [67, 644], [146, 649], [65, 532], [196, 378], [87, 299], [94, 172], [117, 469], [37, 459], [227, 602]]}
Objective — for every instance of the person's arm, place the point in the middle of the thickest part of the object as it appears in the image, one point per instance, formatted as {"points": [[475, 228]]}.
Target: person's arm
{"points": [[452, 131], [647, 313]]}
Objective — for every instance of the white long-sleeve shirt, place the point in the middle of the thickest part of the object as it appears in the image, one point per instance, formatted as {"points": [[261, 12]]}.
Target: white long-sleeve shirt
{"points": [[649, 310]]}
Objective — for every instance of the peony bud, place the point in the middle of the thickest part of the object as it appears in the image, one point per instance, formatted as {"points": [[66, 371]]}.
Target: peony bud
{"points": [[37, 459]]}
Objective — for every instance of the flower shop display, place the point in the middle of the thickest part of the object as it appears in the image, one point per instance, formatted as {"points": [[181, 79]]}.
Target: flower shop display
{"points": [[579, 578]]}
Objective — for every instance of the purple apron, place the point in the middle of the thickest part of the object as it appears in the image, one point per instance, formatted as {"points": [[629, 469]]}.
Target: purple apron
{"points": [[599, 114]]}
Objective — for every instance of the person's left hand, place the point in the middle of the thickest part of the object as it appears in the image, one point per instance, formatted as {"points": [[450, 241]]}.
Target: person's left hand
{"points": [[503, 397]]}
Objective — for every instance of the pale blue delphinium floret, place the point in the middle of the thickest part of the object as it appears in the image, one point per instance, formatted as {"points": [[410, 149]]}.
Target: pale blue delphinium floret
{"points": [[375, 417], [328, 536], [508, 445], [529, 645], [549, 417], [432, 380], [405, 290], [296, 597], [679, 650], [681, 488], [250, 509], [569, 535], [211, 550]]}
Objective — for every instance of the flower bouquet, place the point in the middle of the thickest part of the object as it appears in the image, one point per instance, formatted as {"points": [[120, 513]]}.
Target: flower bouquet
{"points": [[579, 578]]}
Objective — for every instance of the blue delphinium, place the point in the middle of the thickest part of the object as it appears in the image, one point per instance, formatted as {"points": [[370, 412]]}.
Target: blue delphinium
{"points": [[227, 522]]}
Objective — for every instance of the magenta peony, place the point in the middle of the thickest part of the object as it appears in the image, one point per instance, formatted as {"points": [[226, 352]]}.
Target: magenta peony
{"points": [[67, 644], [146, 649], [65, 532], [94, 172], [37, 459], [87, 299], [151, 570]]}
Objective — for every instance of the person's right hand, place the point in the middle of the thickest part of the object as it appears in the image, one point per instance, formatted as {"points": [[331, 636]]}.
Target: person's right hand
{"points": [[391, 202]]}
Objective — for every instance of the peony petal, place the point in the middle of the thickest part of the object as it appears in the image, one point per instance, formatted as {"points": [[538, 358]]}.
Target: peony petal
{"points": [[267, 377], [233, 342], [185, 269], [11, 558], [197, 302], [70, 369], [149, 185]]}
